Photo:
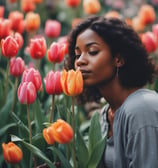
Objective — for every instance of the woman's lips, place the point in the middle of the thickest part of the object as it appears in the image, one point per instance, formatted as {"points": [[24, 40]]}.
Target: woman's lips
{"points": [[85, 73]]}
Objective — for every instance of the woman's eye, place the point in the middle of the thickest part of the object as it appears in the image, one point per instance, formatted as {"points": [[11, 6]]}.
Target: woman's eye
{"points": [[77, 56], [93, 52]]}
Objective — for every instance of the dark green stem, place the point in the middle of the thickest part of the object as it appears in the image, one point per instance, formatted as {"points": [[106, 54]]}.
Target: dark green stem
{"points": [[14, 94], [73, 125], [52, 111]]}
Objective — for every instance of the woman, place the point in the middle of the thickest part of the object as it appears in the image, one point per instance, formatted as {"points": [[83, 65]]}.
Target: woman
{"points": [[116, 66]]}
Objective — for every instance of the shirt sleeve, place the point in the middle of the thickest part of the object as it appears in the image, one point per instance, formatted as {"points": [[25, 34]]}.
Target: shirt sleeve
{"points": [[142, 148]]}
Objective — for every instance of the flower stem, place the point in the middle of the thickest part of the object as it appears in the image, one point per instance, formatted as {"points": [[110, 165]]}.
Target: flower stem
{"points": [[30, 132], [52, 111], [73, 125], [14, 95]]}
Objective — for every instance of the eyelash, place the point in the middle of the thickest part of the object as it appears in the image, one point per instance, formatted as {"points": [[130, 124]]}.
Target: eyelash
{"points": [[90, 53]]}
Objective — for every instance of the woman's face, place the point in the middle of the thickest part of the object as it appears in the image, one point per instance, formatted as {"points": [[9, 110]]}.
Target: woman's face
{"points": [[93, 59]]}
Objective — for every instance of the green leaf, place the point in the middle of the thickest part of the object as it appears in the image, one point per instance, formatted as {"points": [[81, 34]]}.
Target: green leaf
{"points": [[6, 127], [82, 151], [34, 150], [94, 132], [97, 153], [62, 158]]}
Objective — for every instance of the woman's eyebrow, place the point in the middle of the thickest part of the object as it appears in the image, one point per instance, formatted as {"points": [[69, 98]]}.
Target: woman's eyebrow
{"points": [[87, 45]]}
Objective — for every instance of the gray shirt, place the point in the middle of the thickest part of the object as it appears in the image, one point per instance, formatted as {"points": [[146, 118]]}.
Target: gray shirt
{"points": [[135, 132]]}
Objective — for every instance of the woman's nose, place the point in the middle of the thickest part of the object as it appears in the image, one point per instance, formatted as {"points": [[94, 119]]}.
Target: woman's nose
{"points": [[82, 60]]}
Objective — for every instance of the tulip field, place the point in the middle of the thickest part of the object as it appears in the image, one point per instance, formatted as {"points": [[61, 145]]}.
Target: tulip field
{"points": [[41, 123]]}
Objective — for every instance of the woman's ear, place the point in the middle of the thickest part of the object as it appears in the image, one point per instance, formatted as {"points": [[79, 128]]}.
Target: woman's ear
{"points": [[119, 61]]}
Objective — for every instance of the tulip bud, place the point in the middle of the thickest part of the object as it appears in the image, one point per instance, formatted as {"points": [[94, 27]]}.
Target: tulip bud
{"points": [[17, 66], [26, 93], [53, 83], [56, 52], [32, 75], [11, 153], [62, 131], [27, 5], [9, 47], [72, 82], [48, 135], [37, 47], [72, 3], [52, 28], [149, 41], [5, 28]]}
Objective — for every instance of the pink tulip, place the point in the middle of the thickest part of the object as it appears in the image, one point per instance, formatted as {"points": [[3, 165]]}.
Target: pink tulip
{"points": [[155, 32], [53, 83], [17, 66], [1, 11], [26, 93], [32, 75], [56, 52], [37, 47], [149, 41], [9, 47], [52, 28]]}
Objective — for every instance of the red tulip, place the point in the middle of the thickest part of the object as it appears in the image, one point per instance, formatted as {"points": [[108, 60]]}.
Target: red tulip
{"points": [[53, 83], [72, 82], [1, 11], [32, 75], [64, 40], [52, 28], [32, 21], [9, 47], [12, 153], [155, 32], [17, 21], [56, 52], [26, 93], [17, 66], [5, 28], [37, 47], [48, 135], [13, 1], [19, 39], [72, 3], [62, 131], [149, 41]]}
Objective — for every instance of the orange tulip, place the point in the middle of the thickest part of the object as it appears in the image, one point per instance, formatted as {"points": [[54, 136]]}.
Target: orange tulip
{"points": [[91, 6], [32, 21], [137, 24], [27, 5], [62, 131], [48, 135], [113, 14], [11, 153], [147, 14], [72, 82]]}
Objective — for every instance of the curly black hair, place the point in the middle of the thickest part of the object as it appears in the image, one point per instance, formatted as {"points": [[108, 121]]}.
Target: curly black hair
{"points": [[138, 70]]}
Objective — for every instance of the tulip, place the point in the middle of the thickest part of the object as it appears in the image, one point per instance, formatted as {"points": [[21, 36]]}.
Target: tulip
{"points": [[13, 1], [64, 40], [17, 66], [9, 47], [32, 75], [37, 1], [32, 21], [72, 82], [53, 83], [62, 131], [12, 153], [1, 11], [37, 47], [147, 14], [113, 14], [91, 6], [149, 41], [26, 93], [27, 5], [17, 21], [48, 135], [137, 24], [72, 3], [155, 32], [5, 28], [52, 28], [56, 52]]}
